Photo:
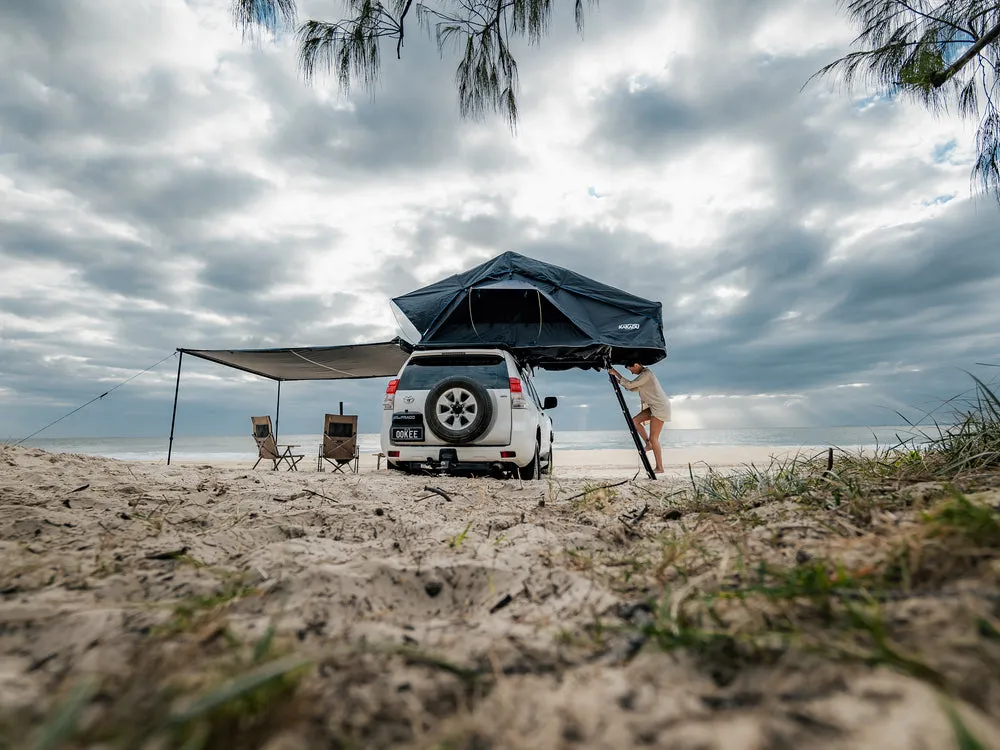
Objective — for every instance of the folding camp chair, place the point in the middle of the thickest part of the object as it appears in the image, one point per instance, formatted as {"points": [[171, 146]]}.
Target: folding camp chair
{"points": [[269, 450], [340, 442]]}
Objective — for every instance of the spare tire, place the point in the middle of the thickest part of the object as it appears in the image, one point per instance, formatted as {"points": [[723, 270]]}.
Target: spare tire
{"points": [[458, 410]]}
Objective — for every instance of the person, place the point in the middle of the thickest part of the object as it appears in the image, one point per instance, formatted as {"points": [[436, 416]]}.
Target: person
{"points": [[654, 407]]}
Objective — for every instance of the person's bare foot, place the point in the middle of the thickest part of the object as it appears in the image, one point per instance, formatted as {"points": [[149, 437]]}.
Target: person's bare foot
{"points": [[649, 446], [658, 469]]}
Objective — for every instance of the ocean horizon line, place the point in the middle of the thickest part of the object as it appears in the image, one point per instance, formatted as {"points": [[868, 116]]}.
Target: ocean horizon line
{"points": [[609, 430], [243, 448]]}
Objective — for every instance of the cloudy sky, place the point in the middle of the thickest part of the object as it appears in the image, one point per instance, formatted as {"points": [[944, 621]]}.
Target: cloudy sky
{"points": [[820, 254]]}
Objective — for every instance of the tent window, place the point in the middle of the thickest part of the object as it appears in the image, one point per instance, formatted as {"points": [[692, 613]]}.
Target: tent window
{"points": [[507, 306]]}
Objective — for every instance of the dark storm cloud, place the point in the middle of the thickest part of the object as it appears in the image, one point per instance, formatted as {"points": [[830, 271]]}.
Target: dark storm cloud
{"points": [[53, 143], [737, 96], [948, 262], [409, 125], [76, 103], [735, 92], [163, 195], [144, 270]]}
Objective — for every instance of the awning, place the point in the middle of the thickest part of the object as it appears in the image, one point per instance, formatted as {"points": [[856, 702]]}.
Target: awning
{"points": [[379, 360]]}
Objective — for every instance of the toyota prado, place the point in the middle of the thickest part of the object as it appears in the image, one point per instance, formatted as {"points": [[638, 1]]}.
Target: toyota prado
{"points": [[466, 411]]}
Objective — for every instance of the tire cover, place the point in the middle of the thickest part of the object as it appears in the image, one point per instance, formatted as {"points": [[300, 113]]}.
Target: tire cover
{"points": [[458, 410]]}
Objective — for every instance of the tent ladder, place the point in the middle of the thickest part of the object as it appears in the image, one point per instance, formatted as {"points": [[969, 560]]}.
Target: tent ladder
{"points": [[631, 426], [173, 419]]}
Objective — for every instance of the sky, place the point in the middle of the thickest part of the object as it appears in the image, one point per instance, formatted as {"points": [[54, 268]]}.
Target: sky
{"points": [[821, 254]]}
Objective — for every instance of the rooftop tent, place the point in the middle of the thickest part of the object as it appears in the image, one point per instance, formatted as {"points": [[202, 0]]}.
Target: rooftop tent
{"points": [[547, 316]]}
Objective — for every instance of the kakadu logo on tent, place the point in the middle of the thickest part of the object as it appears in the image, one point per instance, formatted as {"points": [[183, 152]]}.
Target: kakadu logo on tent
{"points": [[628, 326]]}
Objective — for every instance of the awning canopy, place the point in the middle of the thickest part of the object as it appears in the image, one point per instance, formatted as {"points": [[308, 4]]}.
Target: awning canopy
{"points": [[356, 361]]}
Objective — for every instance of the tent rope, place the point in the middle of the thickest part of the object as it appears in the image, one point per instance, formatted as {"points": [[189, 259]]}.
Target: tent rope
{"points": [[320, 364], [96, 398]]}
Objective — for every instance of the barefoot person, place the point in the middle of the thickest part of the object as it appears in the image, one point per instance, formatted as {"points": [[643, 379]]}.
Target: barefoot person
{"points": [[655, 407]]}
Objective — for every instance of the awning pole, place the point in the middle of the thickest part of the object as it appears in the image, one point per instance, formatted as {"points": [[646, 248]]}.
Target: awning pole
{"points": [[631, 426], [173, 418], [277, 413]]}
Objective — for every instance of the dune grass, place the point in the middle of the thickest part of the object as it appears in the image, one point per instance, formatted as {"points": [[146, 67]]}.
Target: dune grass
{"points": [[874, 531]]}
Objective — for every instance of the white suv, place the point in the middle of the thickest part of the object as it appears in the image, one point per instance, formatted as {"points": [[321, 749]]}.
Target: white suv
{"points": [[466, 411]]}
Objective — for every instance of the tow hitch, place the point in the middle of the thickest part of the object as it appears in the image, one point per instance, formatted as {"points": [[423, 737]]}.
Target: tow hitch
{"points": [[446, 458]]}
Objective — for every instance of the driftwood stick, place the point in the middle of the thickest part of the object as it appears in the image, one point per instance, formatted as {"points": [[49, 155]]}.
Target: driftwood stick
{"points": [[167, 555], [587, 492], [317, 494], [633, 520], [439, 491]]}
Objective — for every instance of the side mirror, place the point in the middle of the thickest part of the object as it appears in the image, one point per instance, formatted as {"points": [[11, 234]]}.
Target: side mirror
{"points": [[550, 402]]}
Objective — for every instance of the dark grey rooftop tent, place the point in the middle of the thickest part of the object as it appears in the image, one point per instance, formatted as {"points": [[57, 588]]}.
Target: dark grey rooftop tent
{"points": [[547, 316]]}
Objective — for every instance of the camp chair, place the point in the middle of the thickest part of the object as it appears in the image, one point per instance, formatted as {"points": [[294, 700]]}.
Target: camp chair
{"points": [[268, 450], [340, 442]]}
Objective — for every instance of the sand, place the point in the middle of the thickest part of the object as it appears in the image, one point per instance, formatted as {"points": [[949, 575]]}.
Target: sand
{"points": [[677, 462], [481, 619]]}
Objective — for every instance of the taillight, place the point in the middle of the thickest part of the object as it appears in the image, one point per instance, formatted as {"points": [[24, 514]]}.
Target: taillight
{"points": [[517, 394], [390, 392]]}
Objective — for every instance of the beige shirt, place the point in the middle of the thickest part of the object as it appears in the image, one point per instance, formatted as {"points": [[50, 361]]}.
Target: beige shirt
{"points": [[650, 393]]}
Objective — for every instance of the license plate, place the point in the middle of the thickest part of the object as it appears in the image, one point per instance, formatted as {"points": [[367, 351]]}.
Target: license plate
{"points": [[407, 434]]}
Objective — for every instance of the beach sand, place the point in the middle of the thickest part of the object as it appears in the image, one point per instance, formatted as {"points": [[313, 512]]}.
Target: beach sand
{"points": [[605, 464], [677, 462], [176, 600]]}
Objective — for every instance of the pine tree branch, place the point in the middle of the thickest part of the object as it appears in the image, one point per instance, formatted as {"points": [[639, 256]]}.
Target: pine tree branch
{"points": [[935, 19], [483, 30], [402, 18], [940, 79]]}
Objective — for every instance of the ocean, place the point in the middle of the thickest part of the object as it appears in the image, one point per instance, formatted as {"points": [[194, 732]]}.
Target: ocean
{"points": [[242, 448]]}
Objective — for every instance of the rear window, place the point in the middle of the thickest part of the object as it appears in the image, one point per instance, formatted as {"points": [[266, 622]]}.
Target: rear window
{"points": [[423, 373]]}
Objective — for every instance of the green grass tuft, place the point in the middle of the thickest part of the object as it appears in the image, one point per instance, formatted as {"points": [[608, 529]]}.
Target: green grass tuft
{"points": [[964, 738]]}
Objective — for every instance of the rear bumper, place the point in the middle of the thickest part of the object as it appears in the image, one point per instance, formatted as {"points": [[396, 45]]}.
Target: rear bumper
{"points": [[467, 467], [475, 457]]}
